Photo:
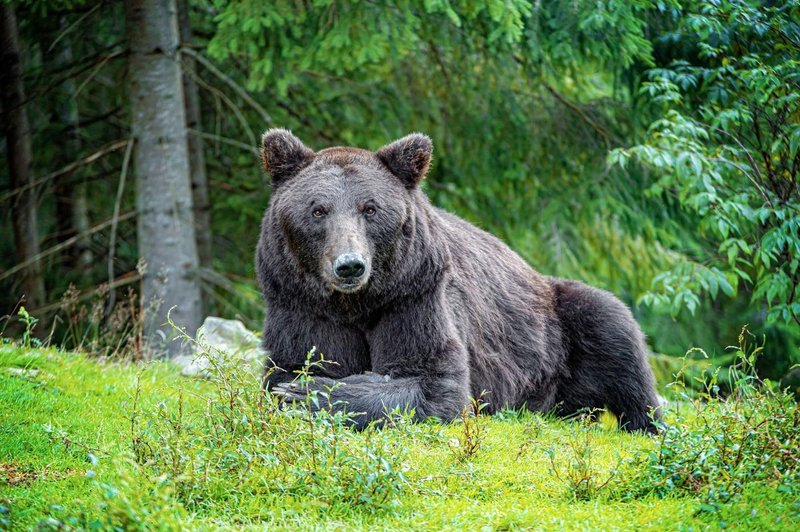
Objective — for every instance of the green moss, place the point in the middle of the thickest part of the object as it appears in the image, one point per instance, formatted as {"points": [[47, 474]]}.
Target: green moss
{"points": [[66, 455]]}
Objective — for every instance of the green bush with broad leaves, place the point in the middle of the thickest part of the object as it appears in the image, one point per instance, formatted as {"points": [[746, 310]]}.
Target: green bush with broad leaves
{"points": [[727, 150]]}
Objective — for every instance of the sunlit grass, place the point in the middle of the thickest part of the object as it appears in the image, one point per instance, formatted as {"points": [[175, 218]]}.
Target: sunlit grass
{"points": [[66, 456]]}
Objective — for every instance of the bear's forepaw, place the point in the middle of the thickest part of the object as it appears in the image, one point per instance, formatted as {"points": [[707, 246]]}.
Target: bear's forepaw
{"points": [[313, 393]]}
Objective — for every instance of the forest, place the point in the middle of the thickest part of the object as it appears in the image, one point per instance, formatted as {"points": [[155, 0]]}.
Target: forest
{"points": [[647, 147]]}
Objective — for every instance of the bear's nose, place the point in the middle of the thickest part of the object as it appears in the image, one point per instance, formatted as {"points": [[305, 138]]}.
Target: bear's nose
{"points": [[349, 266]]}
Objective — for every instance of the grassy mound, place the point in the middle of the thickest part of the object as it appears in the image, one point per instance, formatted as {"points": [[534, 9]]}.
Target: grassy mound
{"points": [[99, 444]]}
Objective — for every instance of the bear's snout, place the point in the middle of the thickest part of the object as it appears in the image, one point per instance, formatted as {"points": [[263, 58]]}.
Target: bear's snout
{"points": [[349, 266]]}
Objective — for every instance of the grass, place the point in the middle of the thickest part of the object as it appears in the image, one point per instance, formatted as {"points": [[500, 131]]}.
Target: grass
{"points": [[100, 444]]}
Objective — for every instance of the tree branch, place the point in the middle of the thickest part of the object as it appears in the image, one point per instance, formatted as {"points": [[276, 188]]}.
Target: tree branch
{"points": [[225, 140], [236, 111], [112, 244], [238, 89], [74, 25], [108, 148], [65, 244], [586, 118]]}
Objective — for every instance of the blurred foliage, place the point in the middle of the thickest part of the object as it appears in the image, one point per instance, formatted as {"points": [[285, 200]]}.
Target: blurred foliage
{"points": [[524, 100], [728, 150]]}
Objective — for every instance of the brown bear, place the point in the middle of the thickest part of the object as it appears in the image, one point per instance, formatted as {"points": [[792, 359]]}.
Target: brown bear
{"points": [[416, 309]]}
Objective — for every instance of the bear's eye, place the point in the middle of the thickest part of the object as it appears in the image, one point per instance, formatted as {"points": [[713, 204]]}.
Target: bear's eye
{"points": [[319, 212], [370, 211]]}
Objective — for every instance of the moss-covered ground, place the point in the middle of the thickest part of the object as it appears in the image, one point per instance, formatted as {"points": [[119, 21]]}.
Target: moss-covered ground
{"points": [[93, 444]]}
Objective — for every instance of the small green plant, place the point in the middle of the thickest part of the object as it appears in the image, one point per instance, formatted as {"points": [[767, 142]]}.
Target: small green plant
{"points": [[750, 435], [533, 430], [472, 430], [137, 501], [242, 441], [28, 340], [574, 464], [5, 522]]}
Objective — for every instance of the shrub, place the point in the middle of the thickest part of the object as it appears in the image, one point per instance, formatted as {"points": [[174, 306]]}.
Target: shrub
{"points": [[721, 443]]}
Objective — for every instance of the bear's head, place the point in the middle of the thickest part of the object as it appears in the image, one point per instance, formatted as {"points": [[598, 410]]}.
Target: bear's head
{"points": [[343, 211]]}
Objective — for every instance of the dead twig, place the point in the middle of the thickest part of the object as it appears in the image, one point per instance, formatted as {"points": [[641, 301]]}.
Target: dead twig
{"points": [[74, 25], [225, 140], [71, 167], [238, 89], [235, 108], [112, 243], [65, 244], [128, 278]]}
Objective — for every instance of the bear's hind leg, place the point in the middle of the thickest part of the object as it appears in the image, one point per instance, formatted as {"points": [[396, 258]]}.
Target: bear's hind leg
{"points": [[607, 360]]}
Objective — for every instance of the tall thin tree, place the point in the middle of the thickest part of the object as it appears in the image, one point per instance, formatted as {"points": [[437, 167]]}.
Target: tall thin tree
{"points": [[166, 231], [18, 146]]}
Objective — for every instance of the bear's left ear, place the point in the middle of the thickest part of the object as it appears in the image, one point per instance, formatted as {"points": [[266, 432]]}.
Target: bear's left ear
{"points": [[408, 158]]}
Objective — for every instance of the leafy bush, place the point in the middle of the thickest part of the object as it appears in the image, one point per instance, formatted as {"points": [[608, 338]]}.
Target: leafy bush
{"points": [[727, 151], [712, 446]]}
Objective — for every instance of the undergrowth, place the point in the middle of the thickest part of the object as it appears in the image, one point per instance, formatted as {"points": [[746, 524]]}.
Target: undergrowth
{"points": [[184, 453], [244, 443], [723, 443]]}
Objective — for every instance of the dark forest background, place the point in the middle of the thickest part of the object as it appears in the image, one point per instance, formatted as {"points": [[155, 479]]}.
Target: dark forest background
{"points": [[651, 148]]}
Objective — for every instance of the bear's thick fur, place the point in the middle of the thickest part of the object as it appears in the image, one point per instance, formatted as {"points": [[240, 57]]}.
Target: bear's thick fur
{"points": [[417, 309]]}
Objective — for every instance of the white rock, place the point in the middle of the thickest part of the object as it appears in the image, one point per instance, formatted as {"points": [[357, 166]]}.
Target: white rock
{"points": [[22, 372], [221, 342]]}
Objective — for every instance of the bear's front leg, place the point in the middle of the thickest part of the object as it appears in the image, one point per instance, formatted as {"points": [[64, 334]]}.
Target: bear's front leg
{"points": [[367, 397], [419, 364], [375, 397]]}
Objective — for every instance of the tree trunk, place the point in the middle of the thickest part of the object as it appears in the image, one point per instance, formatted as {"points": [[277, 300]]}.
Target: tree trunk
{"points": [[72, 208], [18, 145], [197, 162], [164, 197]]}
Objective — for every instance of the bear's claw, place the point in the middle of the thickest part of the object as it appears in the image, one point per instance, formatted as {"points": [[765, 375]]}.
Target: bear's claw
{"points": [[289, 391]]}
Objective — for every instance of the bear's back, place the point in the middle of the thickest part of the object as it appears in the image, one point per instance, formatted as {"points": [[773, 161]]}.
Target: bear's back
{"points": [[503, 310]]}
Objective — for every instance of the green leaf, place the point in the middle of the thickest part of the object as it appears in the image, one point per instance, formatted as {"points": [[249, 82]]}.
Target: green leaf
{"points": [[726, 286], [794, 142]]}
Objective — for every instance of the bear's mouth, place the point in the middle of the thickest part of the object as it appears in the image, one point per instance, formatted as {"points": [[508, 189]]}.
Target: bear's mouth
{"points": [[349, 286]]}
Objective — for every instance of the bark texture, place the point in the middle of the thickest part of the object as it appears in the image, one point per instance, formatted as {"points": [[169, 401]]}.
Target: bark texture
{"points": [[166, 230], [18, 143], [197, 161]]}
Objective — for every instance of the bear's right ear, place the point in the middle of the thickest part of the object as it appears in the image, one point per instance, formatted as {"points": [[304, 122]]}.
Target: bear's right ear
{"points": [[283, 154]]}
